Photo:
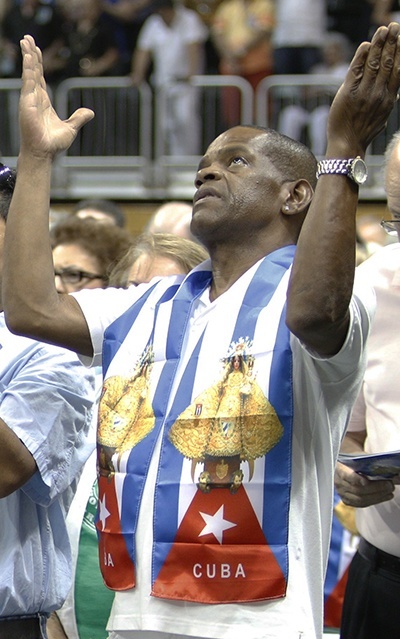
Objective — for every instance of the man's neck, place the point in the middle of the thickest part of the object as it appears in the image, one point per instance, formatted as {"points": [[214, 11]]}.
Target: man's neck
{"points": [[225, 274]]}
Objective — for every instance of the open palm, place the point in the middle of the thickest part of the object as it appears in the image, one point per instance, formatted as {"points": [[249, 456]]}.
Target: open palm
{"points": [[42, 131]]}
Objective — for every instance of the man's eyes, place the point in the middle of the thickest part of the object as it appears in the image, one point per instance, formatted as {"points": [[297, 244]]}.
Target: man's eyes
{"points": [[238, 160]]}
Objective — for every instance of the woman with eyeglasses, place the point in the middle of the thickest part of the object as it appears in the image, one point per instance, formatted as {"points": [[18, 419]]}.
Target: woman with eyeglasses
{"points": [[84, 252]]}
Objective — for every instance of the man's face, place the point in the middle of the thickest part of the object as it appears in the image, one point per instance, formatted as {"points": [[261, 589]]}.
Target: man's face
{"points": [[238, 187]]}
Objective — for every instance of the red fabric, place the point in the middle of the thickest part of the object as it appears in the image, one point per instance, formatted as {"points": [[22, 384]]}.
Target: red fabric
{"points": [[115, 563], [235, 565]]}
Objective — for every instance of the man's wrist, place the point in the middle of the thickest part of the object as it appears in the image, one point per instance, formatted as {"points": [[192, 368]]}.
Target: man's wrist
{"points": [[353, 168]]}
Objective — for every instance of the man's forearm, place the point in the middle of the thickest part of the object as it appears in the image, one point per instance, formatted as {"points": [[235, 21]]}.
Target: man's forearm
{"points": [[28, 273], [323, 270]]}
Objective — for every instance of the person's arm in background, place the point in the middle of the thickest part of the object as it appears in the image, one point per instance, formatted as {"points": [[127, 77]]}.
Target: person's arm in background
{"points": [[31, 303], [381, 11], [140, 64], [220, 41], [195, 55], [261, 29], [102, 65], [323, 270], [355, 489]]}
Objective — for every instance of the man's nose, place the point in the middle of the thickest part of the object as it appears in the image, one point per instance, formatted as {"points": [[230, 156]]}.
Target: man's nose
{"points": [[207, 173]]}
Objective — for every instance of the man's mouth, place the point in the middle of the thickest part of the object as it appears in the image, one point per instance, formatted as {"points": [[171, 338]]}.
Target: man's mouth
{"points": [[203, 193]]}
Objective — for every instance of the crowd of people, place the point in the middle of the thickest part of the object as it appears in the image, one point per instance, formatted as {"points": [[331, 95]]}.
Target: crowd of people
{"points": [[166, 42], [173, 405], [244, 37]]}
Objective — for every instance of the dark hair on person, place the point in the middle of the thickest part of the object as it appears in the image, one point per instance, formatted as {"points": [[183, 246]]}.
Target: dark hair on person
{"points": [[156, 5], [7, 184], [106, 242], [293, 159], [108, 207]]}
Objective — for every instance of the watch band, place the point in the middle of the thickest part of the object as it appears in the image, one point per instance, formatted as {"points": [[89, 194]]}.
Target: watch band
{"points": [[353, 168], [332, 167]]}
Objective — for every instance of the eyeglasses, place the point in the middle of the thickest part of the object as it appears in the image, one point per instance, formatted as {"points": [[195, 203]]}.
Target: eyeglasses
{"points": [[72, 276], [391, 226]]}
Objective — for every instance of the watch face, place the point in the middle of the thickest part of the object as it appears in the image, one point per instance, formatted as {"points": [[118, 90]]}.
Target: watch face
{"points": [[359, 171]]}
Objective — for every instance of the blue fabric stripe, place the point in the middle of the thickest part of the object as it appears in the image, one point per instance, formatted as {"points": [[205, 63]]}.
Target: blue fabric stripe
{"points": [[116, 333]]}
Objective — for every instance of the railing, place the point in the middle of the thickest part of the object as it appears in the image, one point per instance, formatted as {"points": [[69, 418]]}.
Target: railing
{"points": [[9, 130], [113, 152], [122, 153], [278, 92]]}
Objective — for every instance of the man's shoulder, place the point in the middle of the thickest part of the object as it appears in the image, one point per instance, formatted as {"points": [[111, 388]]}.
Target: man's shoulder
{"points": [[187, 12], [24, 361], [152, 23], [190, 16], [10, 343], [23, 349], [17, 347]]}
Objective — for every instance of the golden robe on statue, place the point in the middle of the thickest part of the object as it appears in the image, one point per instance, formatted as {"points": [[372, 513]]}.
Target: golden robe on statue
{"points": [[231, 419], [126, 414]]}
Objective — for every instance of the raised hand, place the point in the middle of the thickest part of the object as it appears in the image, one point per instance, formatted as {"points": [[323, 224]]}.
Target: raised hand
{"points": [[43, 133], [364, 101]]}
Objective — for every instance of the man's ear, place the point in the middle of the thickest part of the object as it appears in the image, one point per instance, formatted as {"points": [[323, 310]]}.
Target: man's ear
{"points": [[298, 197]]}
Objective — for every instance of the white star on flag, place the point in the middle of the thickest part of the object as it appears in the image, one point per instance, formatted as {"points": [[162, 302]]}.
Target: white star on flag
{"points": [[103, 512], [216, 524]]}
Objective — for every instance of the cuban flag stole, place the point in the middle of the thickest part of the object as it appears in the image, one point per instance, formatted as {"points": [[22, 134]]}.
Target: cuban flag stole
{"points": [[217, 397]]}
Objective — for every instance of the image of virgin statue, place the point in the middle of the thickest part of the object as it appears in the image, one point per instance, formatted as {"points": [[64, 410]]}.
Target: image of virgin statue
{"points": [[125, 412], [230, 422]]}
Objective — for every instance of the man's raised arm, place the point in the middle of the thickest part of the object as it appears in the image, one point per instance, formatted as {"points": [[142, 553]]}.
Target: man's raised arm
{"points": [[323, 271], [31, 303]]}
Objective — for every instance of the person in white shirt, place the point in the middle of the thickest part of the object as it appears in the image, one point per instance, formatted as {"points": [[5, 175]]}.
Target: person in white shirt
{"points": [[299, 35], [373, 588], [173, 38], [226, 392]]}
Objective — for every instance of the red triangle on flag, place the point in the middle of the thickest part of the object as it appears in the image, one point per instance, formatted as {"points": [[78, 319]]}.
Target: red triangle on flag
{"points": [[220, 554], [116, 564]]}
